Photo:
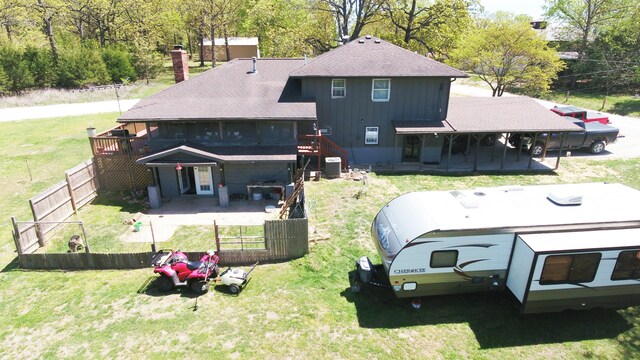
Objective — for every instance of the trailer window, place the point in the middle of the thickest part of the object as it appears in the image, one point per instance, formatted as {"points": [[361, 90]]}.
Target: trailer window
{"points": [[627, 266], [570, 269], [447, 258]]}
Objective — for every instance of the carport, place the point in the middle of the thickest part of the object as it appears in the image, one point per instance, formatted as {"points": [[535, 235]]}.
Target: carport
{"points": [[475, 124]]}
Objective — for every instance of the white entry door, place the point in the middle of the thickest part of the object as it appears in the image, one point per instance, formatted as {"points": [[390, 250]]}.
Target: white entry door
{"points": [[204, 182], [183, 180]]}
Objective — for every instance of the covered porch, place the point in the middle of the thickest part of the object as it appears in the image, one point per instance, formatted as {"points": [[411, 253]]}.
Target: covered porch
{"points": [[478, 135]]}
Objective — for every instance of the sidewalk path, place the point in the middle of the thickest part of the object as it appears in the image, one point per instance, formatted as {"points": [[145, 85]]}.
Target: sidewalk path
{"points": [[60, 110]]}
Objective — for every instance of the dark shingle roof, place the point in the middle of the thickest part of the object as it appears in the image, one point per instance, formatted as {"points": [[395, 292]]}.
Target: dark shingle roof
{"points": [[504, 114], [368, 56], [225, 154], [229, 91]]}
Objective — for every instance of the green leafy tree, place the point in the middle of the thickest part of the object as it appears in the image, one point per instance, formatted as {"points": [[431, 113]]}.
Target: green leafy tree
{"points": [[40, 64], [4, 82], [582, 18], [81, 66], [118, 63], [614, 57], [506, 53], [16, 69], [431, 27]]}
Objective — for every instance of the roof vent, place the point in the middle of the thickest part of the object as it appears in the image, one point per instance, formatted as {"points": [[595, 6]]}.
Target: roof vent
{"points": [[361, 41], [368, 37], [565, 198]]}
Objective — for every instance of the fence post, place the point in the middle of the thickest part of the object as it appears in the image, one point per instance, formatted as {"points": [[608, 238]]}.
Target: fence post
{"points": [[215, 231], [70, 189], [86, 247], [16, 235], [41, 240]]}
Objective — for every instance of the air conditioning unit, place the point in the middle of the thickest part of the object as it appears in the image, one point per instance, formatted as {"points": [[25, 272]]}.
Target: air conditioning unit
{"points": [[332, 167], [565, 198]]}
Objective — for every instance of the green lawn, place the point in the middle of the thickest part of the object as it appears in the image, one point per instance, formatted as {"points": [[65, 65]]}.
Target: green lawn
{"points": [[304, 308], [35, 154], [297, 309], [627, 105]]}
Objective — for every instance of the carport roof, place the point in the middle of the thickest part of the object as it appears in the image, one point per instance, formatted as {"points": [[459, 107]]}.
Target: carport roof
{"points": [[420, 127], [234, 154], [504, 114]]}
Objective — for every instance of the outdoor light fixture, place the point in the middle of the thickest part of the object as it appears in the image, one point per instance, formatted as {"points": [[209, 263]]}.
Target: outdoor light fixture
{"points": [[179, 167]]}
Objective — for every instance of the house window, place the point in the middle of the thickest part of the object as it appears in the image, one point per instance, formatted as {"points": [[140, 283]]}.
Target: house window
{"points": [[627, 266], [446, 258], [371, 135], [338, 88], [570, 269], [380, 89]]}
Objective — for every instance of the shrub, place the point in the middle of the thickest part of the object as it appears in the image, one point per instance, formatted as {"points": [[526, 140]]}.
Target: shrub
{"points": [[16, 69], [148, 65], [4, 82], [40, 63], [81, 67], [119, 65]]}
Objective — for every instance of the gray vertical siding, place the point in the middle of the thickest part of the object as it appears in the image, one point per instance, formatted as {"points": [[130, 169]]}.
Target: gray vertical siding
{"points": [[411, 99], [237, 176]]}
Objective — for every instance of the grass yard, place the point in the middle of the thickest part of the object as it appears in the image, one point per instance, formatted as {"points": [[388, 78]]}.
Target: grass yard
{"points": [[136, 90], [35, 154], [627, 105], [304, 308]]}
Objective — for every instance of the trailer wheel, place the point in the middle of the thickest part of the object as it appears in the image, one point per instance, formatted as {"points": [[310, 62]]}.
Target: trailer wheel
{"points": [[597, 147], [199, 287], [163, 283], [234, 289], [537, 149], [355, 287]]}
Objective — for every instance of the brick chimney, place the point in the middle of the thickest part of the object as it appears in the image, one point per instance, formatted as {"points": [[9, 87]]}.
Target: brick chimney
{"points": [[180, 63]]}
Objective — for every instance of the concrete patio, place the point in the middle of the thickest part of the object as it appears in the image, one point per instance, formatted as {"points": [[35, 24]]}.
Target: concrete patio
{"points": [[198, 210]]}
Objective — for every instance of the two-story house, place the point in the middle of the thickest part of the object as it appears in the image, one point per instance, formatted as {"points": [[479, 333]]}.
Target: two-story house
{"points": [[251, 121]]}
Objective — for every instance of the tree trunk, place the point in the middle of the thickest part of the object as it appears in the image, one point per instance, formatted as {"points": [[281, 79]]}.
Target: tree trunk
{"points": [[226, 45], [48, 30], [412, 15], [201, 46], [213, 38], [7, 27]]}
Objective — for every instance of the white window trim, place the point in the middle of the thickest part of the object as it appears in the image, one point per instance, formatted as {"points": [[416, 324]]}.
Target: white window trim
{"points": [[344, 88], [373, 88], [377, 131]]}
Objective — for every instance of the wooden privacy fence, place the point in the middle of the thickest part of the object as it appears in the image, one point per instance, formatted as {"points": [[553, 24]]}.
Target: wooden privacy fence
{"points": [[53, 206], [284, 240]]}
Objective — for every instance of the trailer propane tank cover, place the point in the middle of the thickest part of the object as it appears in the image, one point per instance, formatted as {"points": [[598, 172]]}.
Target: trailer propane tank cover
{"points": [[364, 269]]}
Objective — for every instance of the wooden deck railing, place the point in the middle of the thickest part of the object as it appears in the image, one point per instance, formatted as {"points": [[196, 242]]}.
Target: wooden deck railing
{"points": [[322, 147]]}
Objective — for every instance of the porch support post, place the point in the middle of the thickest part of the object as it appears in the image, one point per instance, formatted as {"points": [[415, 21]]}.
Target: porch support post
{"points": [[520, 147], [395, 145], [422, 137], [504, 150], [449, 151], [535, 139], [546, 142], [564, 135], [466, 153], [475, 158]]}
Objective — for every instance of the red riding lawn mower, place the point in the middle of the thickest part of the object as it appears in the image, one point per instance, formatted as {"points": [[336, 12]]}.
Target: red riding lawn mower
{"points": [[176, 270]]}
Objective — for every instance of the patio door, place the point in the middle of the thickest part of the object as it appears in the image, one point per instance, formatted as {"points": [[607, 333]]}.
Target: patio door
{"points": [[183, 180], [204, 182], [411, 148]]}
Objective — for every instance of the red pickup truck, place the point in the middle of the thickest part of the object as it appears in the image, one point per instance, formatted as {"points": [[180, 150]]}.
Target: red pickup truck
{"points": [[584, 115]]}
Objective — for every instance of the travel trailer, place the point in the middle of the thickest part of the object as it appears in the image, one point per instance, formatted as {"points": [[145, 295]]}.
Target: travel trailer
{"points": [[555, 247]]}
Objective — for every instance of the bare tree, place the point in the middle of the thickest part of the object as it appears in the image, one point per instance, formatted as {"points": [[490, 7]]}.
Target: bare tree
{"points": [[351, 16]]}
